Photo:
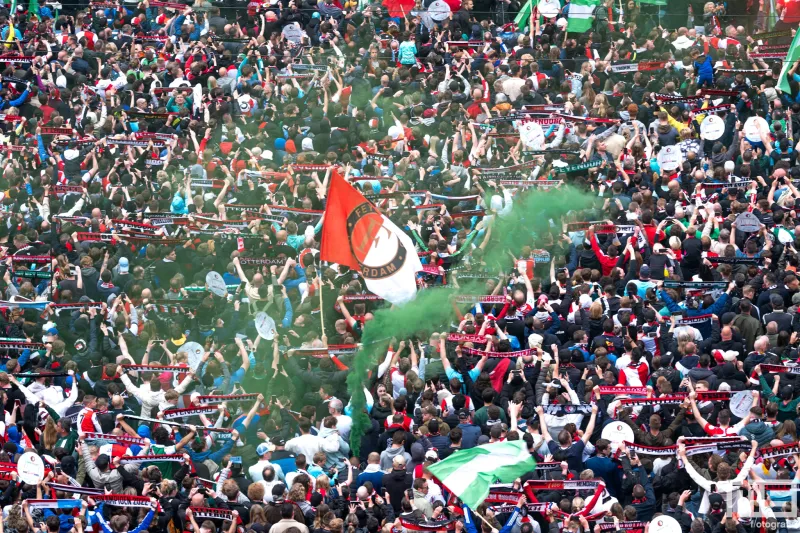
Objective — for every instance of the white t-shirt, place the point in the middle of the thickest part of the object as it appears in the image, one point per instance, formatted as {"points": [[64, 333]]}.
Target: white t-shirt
{"points": [[399, 380]]}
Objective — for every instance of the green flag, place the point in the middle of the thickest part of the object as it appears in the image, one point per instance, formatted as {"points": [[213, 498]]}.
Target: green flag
{"points": [[469, 473], [581, 15], [791, 58], [33, 8], [523, 15]]}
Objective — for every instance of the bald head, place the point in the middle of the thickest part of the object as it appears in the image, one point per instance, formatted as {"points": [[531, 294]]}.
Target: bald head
{"points": [[761, 344]]}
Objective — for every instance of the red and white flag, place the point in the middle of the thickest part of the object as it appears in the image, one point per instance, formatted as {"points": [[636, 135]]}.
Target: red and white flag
{"points": [[356, 235]]}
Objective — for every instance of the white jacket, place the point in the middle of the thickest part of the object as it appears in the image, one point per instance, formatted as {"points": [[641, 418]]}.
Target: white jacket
{"points": [[730, 490], [147, 397]]}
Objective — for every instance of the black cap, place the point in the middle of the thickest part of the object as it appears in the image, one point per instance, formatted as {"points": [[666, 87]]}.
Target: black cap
{"points": [[463, 414]]}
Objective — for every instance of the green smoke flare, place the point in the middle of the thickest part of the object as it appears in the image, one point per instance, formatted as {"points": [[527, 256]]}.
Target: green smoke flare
{"points": [[535, 215]]}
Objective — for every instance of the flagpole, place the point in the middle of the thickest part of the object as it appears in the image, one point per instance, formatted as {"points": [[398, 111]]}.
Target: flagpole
{"points": [[484, 520], [321, 316]]}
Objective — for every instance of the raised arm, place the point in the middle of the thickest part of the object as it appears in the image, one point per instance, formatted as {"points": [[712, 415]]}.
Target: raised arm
{"points": [[697, 416], [239, 270], [590, 428]]}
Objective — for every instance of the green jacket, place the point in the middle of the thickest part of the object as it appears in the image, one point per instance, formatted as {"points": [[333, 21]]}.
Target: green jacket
{"points": [[786, 411]]}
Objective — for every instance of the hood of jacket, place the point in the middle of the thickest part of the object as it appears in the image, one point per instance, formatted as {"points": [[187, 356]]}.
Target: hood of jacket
{"points": [[326, 432], [417, 452], [759, 431], [394, 452], [378, 411], [700, 373]]}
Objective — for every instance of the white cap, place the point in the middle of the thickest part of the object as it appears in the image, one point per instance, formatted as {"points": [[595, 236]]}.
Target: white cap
{"points": [[534, 339]]}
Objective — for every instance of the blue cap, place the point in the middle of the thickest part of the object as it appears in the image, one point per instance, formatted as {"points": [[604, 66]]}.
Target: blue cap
{"points": [[178, 204], [263, 448], [52, 331], [13, 434]]}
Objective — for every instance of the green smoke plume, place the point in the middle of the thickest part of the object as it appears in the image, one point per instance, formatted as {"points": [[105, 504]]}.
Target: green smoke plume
{"points": [[535, 216]]}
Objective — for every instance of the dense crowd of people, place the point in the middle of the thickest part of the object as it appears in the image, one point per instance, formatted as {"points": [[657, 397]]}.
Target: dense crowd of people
{"points": [[175, 351]]}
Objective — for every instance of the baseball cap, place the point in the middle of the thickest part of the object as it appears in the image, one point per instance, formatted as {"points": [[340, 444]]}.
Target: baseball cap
{"points": [[263, 448], [644, 272], [776, 300], [463, 414], [123, 265], [399, 460], [431, 455]]}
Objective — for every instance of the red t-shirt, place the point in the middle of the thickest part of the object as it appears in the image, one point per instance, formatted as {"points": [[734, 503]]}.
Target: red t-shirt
{"points": [[716, 431]]}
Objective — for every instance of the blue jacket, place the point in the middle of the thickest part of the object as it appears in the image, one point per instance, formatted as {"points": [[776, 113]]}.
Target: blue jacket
{"points": [[706, 68], [714, 309], [470, 435], [376, 478], [208, 454], [16, 102], [67, 521], [96, 517], [469, 521]]}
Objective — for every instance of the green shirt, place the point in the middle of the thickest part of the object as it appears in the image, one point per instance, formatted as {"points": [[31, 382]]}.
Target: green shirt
{"points": [[786, 411], [68, 442], [482, 417]]}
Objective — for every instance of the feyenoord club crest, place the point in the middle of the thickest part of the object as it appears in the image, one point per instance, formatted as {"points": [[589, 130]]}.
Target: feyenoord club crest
{"points": [[365, 229]]}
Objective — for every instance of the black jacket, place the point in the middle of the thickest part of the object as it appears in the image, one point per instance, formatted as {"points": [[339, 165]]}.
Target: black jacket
{"points": [[395, 483]]}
